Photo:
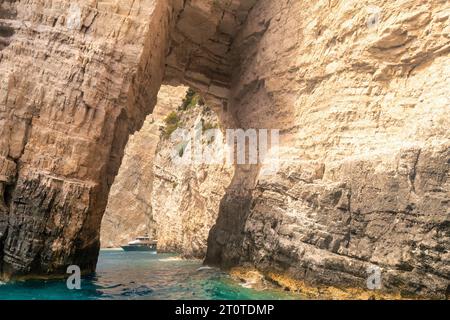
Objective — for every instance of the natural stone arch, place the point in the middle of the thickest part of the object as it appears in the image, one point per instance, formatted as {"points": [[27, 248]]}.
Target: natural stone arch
{"points": [[91, 86]]}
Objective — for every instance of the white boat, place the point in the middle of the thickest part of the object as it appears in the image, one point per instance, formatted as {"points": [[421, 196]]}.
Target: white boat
{"points": [[141, 244]]}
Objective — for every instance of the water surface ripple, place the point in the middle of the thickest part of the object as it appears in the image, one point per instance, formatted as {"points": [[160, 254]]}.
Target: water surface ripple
{"points": [[142, 275]]}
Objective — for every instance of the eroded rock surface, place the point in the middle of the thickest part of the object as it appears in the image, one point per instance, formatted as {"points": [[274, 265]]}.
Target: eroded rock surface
{"points": [[360, 94], [364, 171], [186, 192], [76, 78]]}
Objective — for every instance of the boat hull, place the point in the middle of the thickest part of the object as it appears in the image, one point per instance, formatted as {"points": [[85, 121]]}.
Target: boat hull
{"points": [[138, 248]]}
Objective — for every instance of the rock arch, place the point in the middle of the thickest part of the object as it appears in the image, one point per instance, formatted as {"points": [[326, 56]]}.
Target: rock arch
{"points": [[363, 110]]}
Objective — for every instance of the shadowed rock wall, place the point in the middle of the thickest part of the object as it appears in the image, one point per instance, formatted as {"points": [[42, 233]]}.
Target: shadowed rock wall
{"points": [[71, 90]]}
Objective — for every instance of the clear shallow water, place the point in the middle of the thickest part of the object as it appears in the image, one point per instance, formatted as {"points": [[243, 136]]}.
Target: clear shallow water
{"points": [[142, 275]]}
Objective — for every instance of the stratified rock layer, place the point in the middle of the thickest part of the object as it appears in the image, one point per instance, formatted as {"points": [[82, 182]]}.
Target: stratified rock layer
{"points": [[77, 78], [129, 212]]}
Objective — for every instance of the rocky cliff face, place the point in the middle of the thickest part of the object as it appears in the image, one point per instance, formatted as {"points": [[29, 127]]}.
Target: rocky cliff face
{"points": [[358, 89], [76, 79], [187, 193], [364, 169], [129, 212]]}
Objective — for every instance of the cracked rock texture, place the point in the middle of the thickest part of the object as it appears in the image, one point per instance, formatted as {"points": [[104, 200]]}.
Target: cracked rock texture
{"points": [[360, 94], [129, 212]]}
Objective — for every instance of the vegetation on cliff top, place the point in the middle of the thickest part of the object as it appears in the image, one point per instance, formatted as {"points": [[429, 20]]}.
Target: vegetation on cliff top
{"points": [[172, 122], [191, 100]]}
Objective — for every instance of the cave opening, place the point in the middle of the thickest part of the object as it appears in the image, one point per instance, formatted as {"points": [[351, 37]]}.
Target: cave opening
{"points": [[160, 192]]}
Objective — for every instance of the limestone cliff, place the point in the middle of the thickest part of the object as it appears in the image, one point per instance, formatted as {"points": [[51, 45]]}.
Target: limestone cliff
{"points": [[129, 213], [187, 193], [362, 98], [185, 202], [358, 90]]}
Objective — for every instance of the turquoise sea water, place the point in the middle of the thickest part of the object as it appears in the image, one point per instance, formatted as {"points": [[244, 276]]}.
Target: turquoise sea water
{"points": [[142, 275]]}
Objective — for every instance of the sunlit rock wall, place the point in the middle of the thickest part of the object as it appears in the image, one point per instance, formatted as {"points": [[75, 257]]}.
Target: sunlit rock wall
{"points": [[187, 192], [358, 89]]}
